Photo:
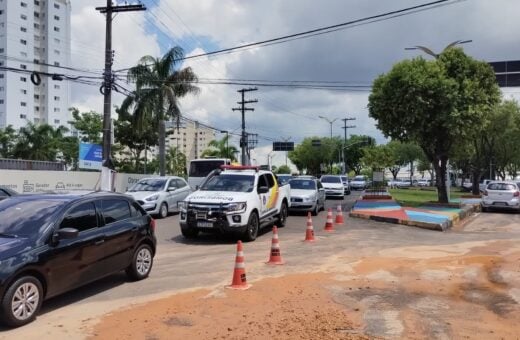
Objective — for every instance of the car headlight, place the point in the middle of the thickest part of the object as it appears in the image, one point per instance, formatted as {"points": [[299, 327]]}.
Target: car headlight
{"points": [[181, 205], [238, 207], [152, 198]]}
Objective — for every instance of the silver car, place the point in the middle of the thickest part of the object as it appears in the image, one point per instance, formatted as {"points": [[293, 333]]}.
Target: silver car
{"points": [[307, 194], [501, 195], [159, 195]]}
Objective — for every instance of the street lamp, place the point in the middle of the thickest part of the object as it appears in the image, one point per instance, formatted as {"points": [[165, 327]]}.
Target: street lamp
{"points": [[433, 54], [330, 122]]}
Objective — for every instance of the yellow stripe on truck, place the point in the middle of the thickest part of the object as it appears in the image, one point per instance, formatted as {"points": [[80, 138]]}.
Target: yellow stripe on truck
{"points": [[273, 198]]}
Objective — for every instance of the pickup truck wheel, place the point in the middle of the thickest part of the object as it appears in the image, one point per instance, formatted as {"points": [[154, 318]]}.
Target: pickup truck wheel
{"points": [[252, 228], [282, 216], [190, 232]]}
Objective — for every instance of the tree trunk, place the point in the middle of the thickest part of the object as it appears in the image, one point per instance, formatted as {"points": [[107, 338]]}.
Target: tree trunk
{"points": [[440, 172], [162, 147], [475, 174]]}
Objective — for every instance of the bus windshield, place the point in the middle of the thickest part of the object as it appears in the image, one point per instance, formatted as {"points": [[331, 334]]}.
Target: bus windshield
{"points": [[204, 167]]}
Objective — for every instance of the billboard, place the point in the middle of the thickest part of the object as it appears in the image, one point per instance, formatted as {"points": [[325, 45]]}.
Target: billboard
{"points": [[507, 73], [90, 156], [283, 146]]}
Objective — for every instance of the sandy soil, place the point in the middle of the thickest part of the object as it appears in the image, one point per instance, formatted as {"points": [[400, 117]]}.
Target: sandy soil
{"points": [[415, 292]]}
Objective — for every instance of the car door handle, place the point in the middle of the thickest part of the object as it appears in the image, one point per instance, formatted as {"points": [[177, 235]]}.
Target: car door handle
{"points": [[99, 242]]}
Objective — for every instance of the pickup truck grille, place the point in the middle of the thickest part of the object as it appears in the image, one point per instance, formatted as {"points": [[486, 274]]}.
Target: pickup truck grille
{"points": [[205, 207]]}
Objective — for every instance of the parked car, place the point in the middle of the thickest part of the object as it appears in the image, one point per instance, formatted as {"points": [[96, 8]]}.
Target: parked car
{"points": [[483, 185], [283, 179], [51, 243], [424, 183], [333, 186], [346, 184], [501, 195], [159, 195], [307, 195], [359, 182], [6, 192]]}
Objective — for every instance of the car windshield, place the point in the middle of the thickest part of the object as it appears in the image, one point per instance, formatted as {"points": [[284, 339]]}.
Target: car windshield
{"points": [[302, 184], [359, 178], [23, 218], [151, 184], [344, 179], [236, 183], [284, 178], [330, 179]]}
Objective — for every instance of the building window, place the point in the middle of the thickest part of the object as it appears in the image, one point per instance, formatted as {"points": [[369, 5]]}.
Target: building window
{"points": [[36, 61], [56, 109], [23, 41], [23, 4], [56, 121], [36, 14], [36, 108], [1, 76], [23, 67], [56, 6], [1, 50], [57, 52], [37, 26], [24, 79], [36, 3], [1, 89], [1, 101], [56, 29], [56, 87], [23, 29], [57, 41], [24, 104], [23, 54], [56, 17], [36, 120], [57, 98], [56, 63], [37, 96], [23, 91], [23, 17], [23, 116]]}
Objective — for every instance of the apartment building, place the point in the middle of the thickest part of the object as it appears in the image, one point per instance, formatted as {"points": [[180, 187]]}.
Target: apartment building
{"points": [[191, 139], [34, 37]]}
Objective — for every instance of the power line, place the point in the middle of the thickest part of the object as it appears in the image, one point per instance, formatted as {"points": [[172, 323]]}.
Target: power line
{"points": [[327, 29]]}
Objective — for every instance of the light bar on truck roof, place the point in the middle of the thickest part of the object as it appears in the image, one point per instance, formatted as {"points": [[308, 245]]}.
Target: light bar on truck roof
{"points": [[240, 167]]}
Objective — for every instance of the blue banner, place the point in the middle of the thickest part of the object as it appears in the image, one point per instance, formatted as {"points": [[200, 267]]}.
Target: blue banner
{"points": [[90, 156]]}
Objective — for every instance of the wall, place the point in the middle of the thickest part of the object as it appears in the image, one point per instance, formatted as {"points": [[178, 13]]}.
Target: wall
{"points": [[25, 181]]}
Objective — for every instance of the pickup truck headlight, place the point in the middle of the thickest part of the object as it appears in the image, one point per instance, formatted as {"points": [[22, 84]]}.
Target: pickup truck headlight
{"points": [[182, 205], [238, 207], [152, 198]]}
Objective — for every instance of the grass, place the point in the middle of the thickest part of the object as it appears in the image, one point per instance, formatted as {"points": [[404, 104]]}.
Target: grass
{"points": [[414, 197]]}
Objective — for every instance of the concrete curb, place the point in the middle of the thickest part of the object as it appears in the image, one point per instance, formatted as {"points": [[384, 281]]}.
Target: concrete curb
{"points": [[424, 225]]}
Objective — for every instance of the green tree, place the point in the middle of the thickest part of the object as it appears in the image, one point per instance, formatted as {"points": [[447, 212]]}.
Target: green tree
{"points": [[38, 142], [176, 162], [221, 149], [309, 159], [69, 148], [353, 150], [88, 124], [7, 141], [378, 157], [505, 125], [435, 104], [158, 86], [283, 169]]}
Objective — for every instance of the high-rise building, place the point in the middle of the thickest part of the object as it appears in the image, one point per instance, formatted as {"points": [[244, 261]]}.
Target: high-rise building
{"points": [[191, 139], [35, 37]]}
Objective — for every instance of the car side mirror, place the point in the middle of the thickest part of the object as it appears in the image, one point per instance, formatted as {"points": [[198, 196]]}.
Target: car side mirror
{"points": [[263, 190], [65, 234], [197, 187]]}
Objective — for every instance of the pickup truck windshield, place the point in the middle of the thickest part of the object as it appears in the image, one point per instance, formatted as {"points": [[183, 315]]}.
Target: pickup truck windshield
{"points": [[236, 183]]}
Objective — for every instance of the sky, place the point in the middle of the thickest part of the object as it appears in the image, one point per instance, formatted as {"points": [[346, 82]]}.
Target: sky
{"points": [[355, 55]]}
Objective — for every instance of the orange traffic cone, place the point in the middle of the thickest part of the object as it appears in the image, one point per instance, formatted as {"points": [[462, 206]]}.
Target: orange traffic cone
{"points": [[329, 226], [239, 274], [309, 234], [276, 256], [339, 215]]}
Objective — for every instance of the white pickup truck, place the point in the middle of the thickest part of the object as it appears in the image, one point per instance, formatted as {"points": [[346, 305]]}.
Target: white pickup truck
{"points": [[238, 200]]}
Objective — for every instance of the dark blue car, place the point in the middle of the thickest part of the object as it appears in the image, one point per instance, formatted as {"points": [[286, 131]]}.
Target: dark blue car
{"points": [[52, 243]]}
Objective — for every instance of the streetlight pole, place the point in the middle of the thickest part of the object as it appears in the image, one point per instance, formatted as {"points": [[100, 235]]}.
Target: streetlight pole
{"points": [[330, 122], [436, 55]]}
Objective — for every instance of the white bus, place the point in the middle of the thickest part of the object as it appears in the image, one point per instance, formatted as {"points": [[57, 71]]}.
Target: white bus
{"points": [[200, 168]]}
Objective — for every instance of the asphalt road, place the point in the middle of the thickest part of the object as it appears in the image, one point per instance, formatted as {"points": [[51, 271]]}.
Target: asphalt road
{"points": [[208, 261]]}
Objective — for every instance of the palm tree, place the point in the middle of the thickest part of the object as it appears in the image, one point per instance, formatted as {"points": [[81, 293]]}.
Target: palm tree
{"points": [[7, 141], [158, 87], [221, 149], [176, 162], [38, 142]]}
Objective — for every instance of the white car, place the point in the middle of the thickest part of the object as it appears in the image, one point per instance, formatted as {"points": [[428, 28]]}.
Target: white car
{"points": [[501, 195], [159, 195], [359, 183], [307, 194], [333, 186], [424, 183]]}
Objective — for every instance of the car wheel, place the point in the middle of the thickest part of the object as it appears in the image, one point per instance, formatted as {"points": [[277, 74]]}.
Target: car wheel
{"points": [[252, 228], [316, 209], [282, 216], [190, 232], [484, 209], [163, 210], [142, 263], [22, 301], [348, 192]]}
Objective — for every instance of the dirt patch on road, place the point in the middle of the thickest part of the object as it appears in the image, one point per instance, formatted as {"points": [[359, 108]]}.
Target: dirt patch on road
{"points": [[474, 293]]}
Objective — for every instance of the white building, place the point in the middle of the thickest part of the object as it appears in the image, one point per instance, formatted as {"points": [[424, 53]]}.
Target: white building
{"points": [[191, 139], [34, 36]]}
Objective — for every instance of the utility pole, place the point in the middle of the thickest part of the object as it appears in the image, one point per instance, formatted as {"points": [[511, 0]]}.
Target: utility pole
{"points": [[106, 89], [345, 127], [243, 109]]}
